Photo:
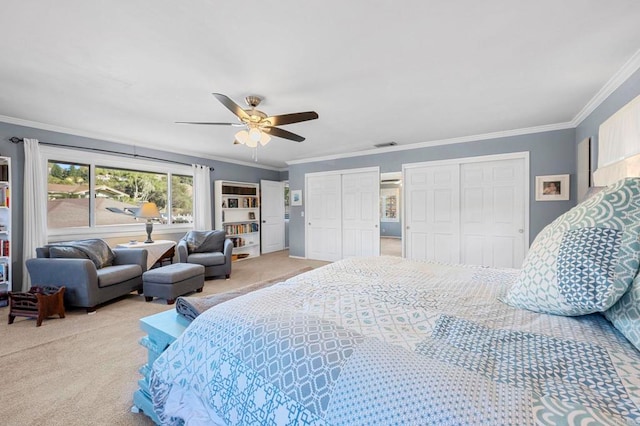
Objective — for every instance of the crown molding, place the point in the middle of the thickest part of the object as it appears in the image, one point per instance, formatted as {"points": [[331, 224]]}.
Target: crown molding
{"points": [[623, 74], [108, 138], [462, 139]]}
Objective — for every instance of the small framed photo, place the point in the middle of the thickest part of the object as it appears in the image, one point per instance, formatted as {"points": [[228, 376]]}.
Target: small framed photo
{"points": [[296, 197], [233, 203], [252, 216], [552, 188]]}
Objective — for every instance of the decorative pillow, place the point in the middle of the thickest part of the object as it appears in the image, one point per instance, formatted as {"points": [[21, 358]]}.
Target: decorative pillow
{"points": [[586, 259], [625, 314], [57, 252]]}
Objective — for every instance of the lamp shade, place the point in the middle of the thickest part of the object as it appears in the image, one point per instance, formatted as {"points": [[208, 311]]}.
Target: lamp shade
{"points": [[148, 210], [242, 136]]}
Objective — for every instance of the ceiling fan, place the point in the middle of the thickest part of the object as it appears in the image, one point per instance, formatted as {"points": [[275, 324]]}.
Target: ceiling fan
{"points": [[258, 126]]}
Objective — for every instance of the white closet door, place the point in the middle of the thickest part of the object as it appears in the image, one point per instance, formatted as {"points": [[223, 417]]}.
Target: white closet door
{"points": [[323, 217], [492, 222], [360, 214], [272, 215], [432, 209]]}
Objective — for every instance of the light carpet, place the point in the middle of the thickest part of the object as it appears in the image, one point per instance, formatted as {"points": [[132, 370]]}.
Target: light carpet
{"points": [[84, 369]]}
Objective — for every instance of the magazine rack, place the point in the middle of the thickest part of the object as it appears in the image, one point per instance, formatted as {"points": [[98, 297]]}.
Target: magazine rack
{"points": [[38, 302]]}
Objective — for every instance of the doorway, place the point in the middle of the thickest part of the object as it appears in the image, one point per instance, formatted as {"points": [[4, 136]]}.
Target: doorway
{"points": [[390, 214]]}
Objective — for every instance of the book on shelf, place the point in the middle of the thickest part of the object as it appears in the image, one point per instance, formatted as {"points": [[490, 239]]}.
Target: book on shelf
{"points": [[4, 196], [4, 172], [4, 248], [3, 272]]}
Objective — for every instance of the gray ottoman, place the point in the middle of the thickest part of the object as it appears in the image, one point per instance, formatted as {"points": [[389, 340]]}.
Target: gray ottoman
{"points": [[172, 281]]}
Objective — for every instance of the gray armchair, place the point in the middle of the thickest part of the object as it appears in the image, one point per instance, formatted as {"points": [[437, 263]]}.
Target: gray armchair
{"points": [[88, 286], [210, 249]]}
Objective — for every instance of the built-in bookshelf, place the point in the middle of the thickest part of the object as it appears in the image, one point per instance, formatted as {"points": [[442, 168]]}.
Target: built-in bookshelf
{"points": [[5, 229], [238, 214]]}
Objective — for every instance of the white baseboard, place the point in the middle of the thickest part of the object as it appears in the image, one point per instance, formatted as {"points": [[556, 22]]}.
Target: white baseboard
{"points": [[297, 257]]}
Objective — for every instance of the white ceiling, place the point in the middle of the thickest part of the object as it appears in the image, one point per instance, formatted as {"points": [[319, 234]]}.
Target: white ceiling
{"points": [[375, 71]]}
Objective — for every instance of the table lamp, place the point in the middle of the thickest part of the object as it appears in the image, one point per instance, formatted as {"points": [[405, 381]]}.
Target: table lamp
{"points": [[149, 211]]}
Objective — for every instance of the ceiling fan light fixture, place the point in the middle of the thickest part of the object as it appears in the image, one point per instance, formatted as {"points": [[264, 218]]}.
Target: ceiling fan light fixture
{"points": [[243, 137], [264, 138], [251, 143], [255, 134]]}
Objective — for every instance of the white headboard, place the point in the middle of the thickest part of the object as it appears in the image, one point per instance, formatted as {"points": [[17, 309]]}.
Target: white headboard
{"points": [[619, 145]]}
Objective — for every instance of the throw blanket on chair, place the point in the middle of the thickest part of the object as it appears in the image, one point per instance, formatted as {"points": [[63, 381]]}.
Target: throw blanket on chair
{"points": [[205, 241]]}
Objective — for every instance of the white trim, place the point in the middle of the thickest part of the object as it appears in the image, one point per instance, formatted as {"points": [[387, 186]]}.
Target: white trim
{"points": [[465, 160], [134, 143], [523, 155], [623, 74], [462, 139], [344, 171]]}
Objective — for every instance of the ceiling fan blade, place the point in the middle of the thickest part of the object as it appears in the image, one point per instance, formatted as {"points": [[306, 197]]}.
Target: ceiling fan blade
{"points": [[232, 106], [274, 131], [211, 124], [296, 117]]}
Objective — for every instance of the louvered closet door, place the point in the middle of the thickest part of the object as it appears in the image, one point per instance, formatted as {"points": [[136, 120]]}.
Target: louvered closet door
{"points": [[360, 214], [432, 209]]}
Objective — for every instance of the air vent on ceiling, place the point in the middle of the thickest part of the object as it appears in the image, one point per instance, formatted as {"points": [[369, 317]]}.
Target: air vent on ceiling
{"points": [[385, 144]]}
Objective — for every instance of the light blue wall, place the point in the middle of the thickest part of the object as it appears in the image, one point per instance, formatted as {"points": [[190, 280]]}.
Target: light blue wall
{"points": [[222, 170], [550, 153], [629, 90]]}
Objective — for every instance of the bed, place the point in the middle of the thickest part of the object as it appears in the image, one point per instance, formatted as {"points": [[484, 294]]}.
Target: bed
{"points": [[392, 341]]}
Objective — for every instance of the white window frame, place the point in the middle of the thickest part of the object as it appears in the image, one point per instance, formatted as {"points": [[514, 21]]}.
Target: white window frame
{"points": [[93, 159]]}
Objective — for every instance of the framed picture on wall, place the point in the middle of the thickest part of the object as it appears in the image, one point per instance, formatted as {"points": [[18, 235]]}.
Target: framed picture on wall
{"points": [[296, 197], [552, 188], [389, 202]]}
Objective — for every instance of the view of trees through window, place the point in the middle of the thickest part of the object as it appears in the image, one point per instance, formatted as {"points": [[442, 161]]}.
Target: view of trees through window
{"points": [[118, 195]]}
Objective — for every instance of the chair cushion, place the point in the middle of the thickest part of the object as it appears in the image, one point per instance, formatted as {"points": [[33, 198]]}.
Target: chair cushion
{"points": [[173, 273], [207, 259], [116, 274]]}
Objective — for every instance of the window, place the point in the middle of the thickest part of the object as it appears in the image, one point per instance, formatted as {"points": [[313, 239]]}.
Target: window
{"points": [[106, 192], [181, 199], [119, 192], [67, 195]]}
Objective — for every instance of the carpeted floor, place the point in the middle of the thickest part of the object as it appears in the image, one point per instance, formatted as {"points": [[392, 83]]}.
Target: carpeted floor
{"points": [[84, 369]]}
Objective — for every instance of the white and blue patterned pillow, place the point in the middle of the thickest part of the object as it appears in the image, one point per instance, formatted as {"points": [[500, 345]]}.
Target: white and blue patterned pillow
{"points": [[586, 259], [625, 314]]}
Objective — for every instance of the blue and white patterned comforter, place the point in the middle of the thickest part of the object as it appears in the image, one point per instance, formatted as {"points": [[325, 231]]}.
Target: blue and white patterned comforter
{"points": [[389, 341]]}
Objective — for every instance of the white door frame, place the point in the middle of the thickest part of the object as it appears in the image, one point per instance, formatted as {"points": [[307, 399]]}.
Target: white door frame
{"points": [[326, 173], [524, 155]]}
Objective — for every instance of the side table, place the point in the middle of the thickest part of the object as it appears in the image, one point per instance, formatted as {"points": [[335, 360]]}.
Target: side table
{"points": [[162, 329], [159, 250]]}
